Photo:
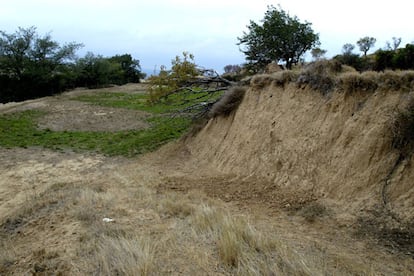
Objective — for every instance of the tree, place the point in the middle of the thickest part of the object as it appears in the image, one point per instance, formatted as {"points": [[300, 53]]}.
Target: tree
{"points": [[365, 44], [404, 58], [32, 66], [280, 37], [349, 58], [131, 69], [188, 82], [318, 53], [347, 49], [182, 70], [395, 44], [228, 69]]}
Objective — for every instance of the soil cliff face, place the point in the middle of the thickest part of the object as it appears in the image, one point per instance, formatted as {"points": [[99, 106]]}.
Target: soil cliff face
{"points": [[336, 147]]}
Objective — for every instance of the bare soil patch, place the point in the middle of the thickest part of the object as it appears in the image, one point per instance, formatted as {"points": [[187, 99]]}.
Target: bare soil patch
{"points": [[72, 115], [65, 114]]}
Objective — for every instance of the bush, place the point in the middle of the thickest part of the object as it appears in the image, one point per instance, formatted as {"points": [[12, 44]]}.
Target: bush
{"points": [[399, 59]]}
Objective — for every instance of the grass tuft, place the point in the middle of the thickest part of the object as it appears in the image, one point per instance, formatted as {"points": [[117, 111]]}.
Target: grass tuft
{"points": [[125, 256]]}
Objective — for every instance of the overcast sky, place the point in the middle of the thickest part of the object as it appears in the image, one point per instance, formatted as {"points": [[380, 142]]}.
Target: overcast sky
{"points": [[156, 31]]}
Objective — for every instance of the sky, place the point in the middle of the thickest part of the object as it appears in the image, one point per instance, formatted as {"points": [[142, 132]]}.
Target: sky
{"points": [[155, 31]]}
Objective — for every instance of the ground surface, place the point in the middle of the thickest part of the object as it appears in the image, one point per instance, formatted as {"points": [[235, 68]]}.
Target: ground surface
{"points": [[52, 206]]}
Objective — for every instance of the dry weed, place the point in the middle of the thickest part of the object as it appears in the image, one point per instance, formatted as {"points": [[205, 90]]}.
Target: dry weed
{"points": [[125, 256], [228, 102], [320, 75], [206, 219], [402, 129], [354, 82], [88, 204], [243, 249], [173, 206], [280, 79]]}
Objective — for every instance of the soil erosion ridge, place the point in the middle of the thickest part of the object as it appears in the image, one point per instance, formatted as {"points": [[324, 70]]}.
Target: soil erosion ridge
{"points": [[296, 144]]}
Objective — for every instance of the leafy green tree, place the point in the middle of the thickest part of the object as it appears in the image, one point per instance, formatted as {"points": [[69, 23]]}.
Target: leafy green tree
{"points": [[97, 71], [31, 65], [280, 37], [131, 69], [404, 58], [384, 60], [365, 44], [183, 69]]}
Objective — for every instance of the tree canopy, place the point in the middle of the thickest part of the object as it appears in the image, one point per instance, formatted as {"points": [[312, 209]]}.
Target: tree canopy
{"points": [[34, 66], [280, 38], [366, 43]]}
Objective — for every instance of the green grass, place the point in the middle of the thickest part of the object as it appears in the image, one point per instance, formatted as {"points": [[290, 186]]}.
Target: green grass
{"points": [[19, 130], [171, 104]]}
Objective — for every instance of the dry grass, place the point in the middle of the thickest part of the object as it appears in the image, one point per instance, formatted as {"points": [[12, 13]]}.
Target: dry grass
{"points": [[320, 75], [280, 79], [125, 256], [244, 250], [354, 82], [402, 129], [228, 102], [159, 234], [7, 256], [396, 80], [326, 76], [174, 206]]}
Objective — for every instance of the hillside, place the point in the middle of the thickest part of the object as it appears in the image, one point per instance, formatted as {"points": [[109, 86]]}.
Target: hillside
{"points": [[298, 180], [335, 148]]}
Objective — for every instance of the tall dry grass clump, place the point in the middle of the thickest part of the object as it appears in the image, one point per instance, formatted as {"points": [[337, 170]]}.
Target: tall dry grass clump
{"points": [[402, 129], [370, 81], [244, 250], [320, 75], [125, 256], [228, 102], [280, 79], [353, 82], [396, 80]]}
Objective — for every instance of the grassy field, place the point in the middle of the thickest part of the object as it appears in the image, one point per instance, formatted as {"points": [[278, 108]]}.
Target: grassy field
{"points": [[20, 129]]}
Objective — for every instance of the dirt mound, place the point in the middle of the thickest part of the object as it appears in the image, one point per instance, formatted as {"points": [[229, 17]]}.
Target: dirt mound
{"points": [[333, 147]]}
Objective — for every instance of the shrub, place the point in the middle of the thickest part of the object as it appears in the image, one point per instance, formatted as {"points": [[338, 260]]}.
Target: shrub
{"points": [[228, 102]]}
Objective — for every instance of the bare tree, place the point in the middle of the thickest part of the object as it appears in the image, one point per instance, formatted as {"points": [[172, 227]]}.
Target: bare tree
{"points": [[365, 44], [395, 43]]}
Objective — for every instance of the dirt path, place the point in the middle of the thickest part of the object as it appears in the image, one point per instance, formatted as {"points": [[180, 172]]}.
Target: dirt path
{"points": [[52, 206]]}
